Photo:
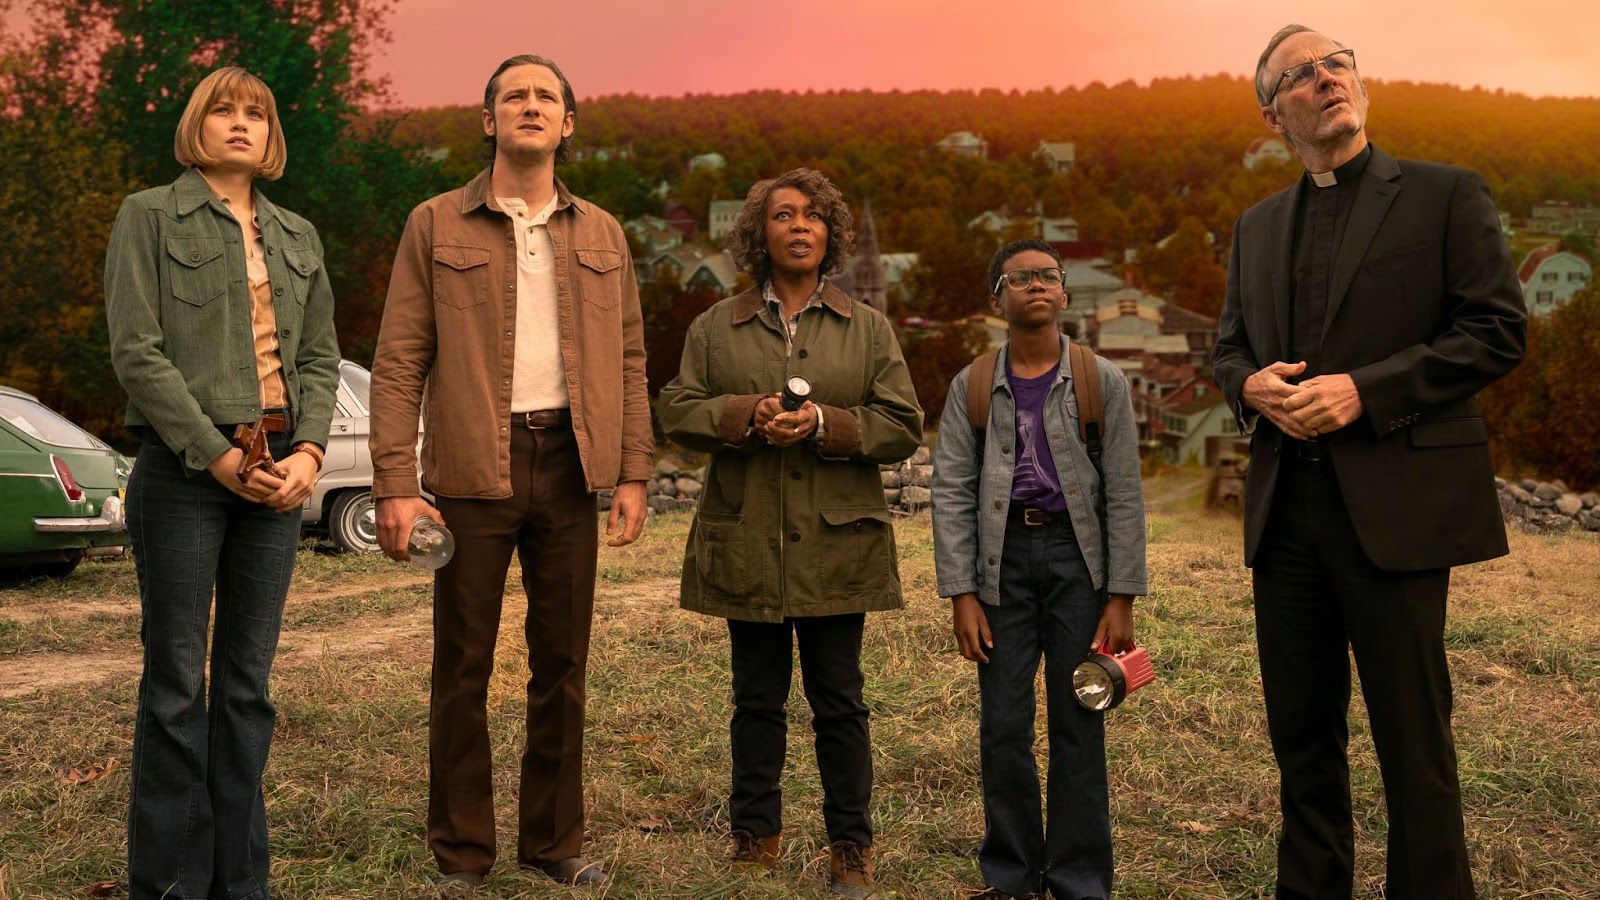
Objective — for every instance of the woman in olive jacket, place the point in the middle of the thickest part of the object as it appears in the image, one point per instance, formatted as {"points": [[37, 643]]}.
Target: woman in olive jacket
{"points": [[220, 314], [792, 540]]}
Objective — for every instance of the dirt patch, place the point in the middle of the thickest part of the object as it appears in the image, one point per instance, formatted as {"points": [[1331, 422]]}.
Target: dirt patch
{"points": [[82, 608], [28, 673]]}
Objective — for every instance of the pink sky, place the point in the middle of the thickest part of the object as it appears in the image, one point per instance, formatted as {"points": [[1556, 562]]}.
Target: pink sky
{"points": [[444, 50]]}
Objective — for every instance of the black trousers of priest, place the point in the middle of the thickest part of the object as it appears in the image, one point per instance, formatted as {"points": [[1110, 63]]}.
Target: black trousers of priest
{"points": [[1317, 599]]}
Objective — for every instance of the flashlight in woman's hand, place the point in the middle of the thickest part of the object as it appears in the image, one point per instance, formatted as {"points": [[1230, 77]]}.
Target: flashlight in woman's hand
{"points": [[795, 393]]}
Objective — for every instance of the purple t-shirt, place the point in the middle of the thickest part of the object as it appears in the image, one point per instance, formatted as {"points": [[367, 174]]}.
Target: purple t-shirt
{"points": [[1034, 482]]}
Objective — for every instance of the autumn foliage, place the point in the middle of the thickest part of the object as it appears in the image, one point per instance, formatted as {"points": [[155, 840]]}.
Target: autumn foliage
{"points": [[1544, 418]]}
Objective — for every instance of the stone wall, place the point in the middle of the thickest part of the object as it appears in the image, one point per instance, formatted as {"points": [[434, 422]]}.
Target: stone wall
{"points": [[677, 486], [1547, 507]]}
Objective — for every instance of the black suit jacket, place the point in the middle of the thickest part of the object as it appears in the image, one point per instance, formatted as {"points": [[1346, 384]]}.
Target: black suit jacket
{"points": [[1424, 310]]}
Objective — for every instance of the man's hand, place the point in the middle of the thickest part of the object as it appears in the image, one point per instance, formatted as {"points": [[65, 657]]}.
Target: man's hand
{"points": [[225, 469], [1324, 403], [1115, 630], [1266, 391], [971, 627], [790, 428], [301, 469], [628, 504], [395, 517]]}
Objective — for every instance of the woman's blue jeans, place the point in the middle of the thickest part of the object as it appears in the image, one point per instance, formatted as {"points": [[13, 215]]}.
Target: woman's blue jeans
{"points": [[197, 824]]}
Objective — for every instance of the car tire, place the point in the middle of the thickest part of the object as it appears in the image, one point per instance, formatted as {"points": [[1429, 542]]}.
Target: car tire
{"points": [[353, 522], [59, 569]]}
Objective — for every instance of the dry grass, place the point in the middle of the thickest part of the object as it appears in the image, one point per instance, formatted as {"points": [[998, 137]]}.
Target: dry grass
{"points": [[1194, 791]]}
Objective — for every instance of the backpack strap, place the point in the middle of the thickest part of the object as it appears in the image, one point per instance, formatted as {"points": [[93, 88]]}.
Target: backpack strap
{"points": [[980, 388], [1091, 408]]}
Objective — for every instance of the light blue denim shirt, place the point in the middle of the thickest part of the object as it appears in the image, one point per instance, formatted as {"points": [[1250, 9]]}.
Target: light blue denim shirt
{"points": [[970, 502]]}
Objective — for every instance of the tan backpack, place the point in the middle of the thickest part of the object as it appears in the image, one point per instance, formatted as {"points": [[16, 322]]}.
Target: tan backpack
{"points": [[1085, 386]]}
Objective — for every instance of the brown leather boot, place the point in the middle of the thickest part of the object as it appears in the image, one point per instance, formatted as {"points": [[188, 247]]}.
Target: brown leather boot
{"points": [[850, 868], [750, 851]]}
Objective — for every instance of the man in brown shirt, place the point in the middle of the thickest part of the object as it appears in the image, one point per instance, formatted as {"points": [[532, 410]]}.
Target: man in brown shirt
{"points": [[513, 321]]}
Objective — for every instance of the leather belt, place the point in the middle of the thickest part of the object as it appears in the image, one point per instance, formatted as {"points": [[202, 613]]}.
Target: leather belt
{"points": [[1033, 518], [542, 418], [1315, 451], [275, 420]]}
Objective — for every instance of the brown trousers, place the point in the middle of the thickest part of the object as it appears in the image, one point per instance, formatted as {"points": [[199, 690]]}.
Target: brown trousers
{"points": [[550, 521]]}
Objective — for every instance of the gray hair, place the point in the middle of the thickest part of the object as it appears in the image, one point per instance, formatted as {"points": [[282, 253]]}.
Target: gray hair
{"points": [[1284, 33]]}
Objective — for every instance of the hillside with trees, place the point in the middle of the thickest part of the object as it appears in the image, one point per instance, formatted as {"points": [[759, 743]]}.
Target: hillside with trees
{"points": [[94, 94]]}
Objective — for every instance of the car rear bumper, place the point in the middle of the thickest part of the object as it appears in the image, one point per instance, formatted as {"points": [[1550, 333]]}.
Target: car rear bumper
{"points": [[78, 525]]}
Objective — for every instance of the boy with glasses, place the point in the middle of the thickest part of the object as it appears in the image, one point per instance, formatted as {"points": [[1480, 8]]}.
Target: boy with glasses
{"points": [[1018, 548]]}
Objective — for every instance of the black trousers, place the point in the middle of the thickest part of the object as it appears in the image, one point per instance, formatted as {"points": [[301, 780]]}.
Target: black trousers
{"points": [[830, 671], [1317, 599]]}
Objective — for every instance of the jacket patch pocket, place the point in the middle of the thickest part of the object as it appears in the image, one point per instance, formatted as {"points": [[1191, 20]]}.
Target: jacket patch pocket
{"points": [[302, 264], [1449, 433], [460, 275], [200, 274], [719, 555], [1390, 262], [600, 282], [855, 548]]}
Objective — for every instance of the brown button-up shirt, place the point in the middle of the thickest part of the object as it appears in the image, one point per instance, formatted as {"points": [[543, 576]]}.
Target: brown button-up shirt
{"points": [[448, 343]]}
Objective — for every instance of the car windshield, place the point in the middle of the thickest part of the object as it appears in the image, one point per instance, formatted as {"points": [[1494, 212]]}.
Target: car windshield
{"points": [[41, 423], [358, 380]]}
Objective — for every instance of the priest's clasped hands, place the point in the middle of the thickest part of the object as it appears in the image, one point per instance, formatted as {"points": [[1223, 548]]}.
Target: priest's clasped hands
{"points": [[1306, 410]]}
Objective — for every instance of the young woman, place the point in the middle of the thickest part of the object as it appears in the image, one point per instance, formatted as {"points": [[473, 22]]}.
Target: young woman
{"points": [[792, 541], [220, 315]]}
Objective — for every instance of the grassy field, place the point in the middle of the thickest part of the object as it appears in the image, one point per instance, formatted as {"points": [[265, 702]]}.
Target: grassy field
{"points": [[1194, 793]]}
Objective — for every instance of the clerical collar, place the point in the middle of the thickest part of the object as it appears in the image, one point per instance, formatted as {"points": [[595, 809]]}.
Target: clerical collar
{"points": [[1352, 168]]}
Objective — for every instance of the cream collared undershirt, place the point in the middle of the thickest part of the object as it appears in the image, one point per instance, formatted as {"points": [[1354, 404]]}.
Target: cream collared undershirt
{"points": [[538, 378]]}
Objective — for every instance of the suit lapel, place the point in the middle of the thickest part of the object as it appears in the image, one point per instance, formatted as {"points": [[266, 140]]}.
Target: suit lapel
{"points": [[1373, 197], [1281, 254]]}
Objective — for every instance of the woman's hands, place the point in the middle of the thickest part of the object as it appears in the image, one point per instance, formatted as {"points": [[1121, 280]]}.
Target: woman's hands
{"points": [[782, 428], [285, 494]]}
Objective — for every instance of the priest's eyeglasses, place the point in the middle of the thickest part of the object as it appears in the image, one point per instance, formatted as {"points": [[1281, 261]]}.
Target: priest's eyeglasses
{"points": [[1299, 76], [1019, 279]]}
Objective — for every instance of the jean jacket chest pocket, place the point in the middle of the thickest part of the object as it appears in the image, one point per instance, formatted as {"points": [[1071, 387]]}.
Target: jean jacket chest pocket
{"points": [[600, 280], [303, 265], [460, 275], [199, 273]]}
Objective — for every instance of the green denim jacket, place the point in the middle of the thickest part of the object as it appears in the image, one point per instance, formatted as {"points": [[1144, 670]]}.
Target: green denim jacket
{"points": [[178, 307], [801, 531]]}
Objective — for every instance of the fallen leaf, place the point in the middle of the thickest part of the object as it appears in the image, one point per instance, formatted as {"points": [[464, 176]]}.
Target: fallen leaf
{"points": [[103, 888], [1197, 827], [76, 776], [651, 825]]}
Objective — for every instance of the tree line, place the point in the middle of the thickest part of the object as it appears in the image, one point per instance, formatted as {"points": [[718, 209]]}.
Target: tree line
{"points": [[93, 95]]}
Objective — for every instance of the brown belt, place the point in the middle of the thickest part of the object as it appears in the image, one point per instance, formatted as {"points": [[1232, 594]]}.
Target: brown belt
{"points": [[542, 418], [276, 421]]}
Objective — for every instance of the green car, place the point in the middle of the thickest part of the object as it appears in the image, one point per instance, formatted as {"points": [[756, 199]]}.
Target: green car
{"points": [[61, 491]]}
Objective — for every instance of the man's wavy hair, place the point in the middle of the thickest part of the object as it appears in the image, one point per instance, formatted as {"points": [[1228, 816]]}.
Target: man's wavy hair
{"points": [[747, 240]]}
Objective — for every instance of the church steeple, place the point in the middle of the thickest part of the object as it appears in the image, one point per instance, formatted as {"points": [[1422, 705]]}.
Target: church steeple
{"points": [[871, 285]]}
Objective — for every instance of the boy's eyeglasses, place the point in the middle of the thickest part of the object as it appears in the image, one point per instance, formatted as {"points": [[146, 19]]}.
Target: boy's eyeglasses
{"points": [[1019, 279]]}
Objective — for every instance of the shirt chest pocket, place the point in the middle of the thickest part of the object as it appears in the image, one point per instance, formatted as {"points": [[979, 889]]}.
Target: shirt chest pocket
{"points": [[460, 275], [303, 265], [600, 277], [198, 272]]}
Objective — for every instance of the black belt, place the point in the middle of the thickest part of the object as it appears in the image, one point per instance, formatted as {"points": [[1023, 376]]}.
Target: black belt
{"points": [[1314, 451], [1033, 518], [542, 418]]}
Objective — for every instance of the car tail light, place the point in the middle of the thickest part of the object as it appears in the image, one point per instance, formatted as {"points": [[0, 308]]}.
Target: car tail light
{"points": [[69, 485]]}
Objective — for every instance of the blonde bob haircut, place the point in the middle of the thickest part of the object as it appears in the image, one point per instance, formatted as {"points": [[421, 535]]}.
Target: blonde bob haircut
{"points": [[238, 85]]}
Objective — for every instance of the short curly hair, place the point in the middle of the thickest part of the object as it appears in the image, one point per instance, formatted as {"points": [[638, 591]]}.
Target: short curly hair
{"points": [[747, 239]]}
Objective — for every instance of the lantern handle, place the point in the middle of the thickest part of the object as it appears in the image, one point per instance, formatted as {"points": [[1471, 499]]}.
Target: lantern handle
{"points": [[1105, 649]]}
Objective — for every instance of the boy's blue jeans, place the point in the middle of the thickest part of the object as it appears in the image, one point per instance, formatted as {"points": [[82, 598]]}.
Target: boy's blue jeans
{"points": [[197, 825], [1049, 607]]}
